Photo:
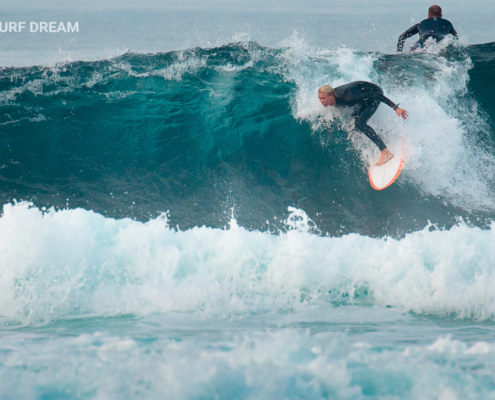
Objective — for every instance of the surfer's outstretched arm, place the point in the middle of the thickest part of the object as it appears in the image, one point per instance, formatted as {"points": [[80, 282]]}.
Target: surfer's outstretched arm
{"points": [[359, 98], [413, 30], [380, 97]]}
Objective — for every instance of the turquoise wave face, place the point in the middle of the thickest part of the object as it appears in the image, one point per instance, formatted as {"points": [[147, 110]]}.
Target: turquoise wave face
{"points": [[203, 132]]}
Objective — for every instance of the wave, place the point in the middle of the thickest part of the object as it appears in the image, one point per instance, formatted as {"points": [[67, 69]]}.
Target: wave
{"points": [[76, 263], [206, 130]]}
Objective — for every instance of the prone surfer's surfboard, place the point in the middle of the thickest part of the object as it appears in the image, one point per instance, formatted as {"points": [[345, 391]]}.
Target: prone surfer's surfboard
{"points": [[383, 176]]}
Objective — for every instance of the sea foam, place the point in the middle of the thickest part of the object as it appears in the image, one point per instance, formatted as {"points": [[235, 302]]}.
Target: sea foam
{"points": [[73, 263]]}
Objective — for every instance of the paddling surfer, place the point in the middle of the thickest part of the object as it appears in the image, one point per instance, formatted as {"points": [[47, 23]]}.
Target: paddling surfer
{"points": [[367, 97], [433, 27]]}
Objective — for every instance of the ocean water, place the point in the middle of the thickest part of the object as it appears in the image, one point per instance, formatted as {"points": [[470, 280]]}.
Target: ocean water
{"points": [[182, 219]]}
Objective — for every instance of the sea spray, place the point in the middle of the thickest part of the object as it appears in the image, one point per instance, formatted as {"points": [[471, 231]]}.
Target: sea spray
{"points": [[74, 263]]}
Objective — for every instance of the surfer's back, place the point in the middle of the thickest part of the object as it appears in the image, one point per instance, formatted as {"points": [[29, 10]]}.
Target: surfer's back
{"points": [[436, 28]]}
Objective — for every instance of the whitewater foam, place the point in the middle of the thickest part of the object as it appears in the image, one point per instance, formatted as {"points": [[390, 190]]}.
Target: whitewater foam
{"points": [[283, 364], [70, 263]]}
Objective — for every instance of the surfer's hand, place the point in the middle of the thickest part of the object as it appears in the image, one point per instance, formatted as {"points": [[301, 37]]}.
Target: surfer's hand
{"points": [[402, 113]]}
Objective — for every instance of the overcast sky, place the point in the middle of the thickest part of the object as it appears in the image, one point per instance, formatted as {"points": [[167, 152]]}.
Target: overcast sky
{"points": [[108, 27]]}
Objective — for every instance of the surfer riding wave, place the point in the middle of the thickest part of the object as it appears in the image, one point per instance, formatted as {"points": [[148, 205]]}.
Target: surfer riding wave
{"points": [[367, 97]]}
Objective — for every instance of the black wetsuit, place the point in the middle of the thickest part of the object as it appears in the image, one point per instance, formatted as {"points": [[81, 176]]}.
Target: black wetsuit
{"points": [[367, 96], [435, 27]]}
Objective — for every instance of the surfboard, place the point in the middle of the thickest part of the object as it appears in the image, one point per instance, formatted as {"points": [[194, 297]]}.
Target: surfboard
{"points": [[383, 176]]}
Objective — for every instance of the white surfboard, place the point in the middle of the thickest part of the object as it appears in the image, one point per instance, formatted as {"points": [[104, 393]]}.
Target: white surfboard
{"points": [[383, 176]]}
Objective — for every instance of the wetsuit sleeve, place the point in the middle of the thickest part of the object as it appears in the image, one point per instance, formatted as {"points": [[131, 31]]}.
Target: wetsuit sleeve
{"points": [[413, 30], [377, 96]]}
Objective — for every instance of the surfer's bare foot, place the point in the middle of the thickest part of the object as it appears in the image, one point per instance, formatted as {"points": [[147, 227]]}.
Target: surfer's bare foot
{"points": [[385, 156]]}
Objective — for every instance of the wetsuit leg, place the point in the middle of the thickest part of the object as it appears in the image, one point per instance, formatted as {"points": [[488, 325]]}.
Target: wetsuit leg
{"points": [[362, 116]]}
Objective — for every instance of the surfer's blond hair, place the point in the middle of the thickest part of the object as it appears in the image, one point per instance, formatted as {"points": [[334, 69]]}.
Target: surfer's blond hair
{"points": [[326, 89]]}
